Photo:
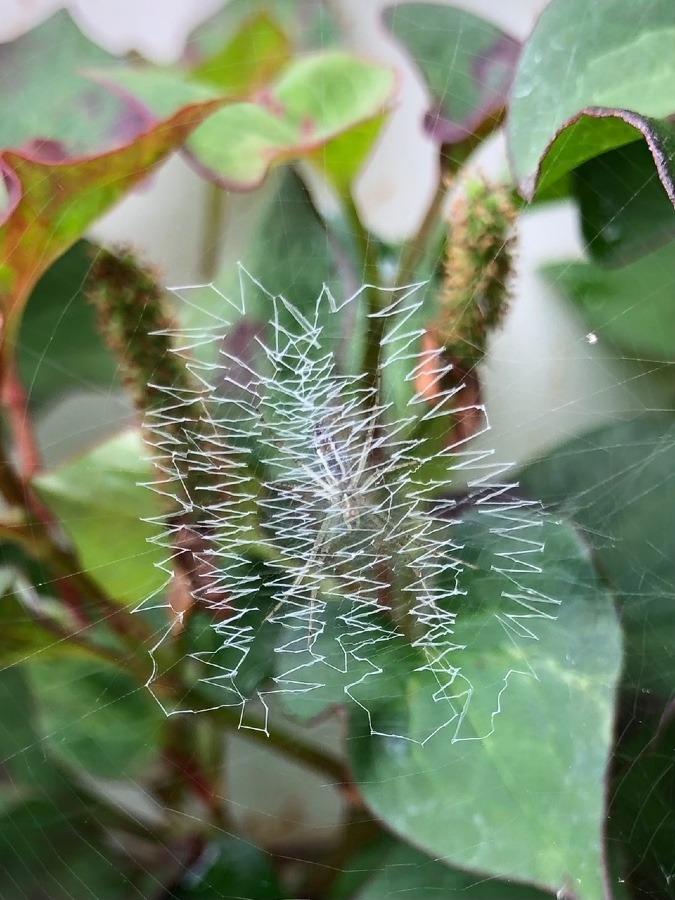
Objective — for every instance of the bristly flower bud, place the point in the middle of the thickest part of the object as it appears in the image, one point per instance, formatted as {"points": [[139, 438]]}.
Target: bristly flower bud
{"points": [[474, 294], [135, 323]]}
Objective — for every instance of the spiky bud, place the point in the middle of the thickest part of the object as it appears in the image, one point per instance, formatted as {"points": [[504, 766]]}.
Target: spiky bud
{"points": [[474, 294]]}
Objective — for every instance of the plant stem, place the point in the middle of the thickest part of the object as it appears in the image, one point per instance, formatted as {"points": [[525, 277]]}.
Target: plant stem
{"points": [[252, 728], [15, 401], [214, 210], [418, 246]]}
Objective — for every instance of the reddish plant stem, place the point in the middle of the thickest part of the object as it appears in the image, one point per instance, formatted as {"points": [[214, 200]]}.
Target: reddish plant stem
{"points": [[15, 402]]}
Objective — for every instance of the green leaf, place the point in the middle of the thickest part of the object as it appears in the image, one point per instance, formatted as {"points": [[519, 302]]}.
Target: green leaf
{"points": [[524, 799], [51, 201], [631, 308], [310, 24], [21, 747], [407, 874], [47, 100], [618, 483], [467, 63], [316, 99], [625, 213], [247, 61], [100, 499], [642, 810], [94, 717], [24, 626], [51, 849], [60, 349], [294, 259], [592, 77], [230, 868]]}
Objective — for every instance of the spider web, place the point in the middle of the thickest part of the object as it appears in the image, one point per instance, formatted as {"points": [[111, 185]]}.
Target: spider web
{"points": [[352, 514], [548, 374]]}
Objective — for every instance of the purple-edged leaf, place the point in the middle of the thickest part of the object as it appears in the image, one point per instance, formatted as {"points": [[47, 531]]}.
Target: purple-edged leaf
{"points": [[317, 99], [592, 77], [47, 100], [625, 212], [467, 64], [52, 199]]}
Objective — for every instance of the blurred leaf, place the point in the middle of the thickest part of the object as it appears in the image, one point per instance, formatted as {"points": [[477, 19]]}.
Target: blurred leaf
{"points": [[249, 60], [407, 874], [24, 627], [316, 99], [101, 500], [229, 869], [95, 717], [290, 252], [467, 63], [202, 640], [631, 308], [308, 21], [22, 754], [519, 794], [625, 212], [593, 77], [52, 201], [50, 850], [340, 160], [642, 809], [618, 483], [59, 346], [47, 100]]}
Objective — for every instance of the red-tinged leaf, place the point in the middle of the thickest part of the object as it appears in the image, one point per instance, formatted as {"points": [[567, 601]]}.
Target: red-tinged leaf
{"points": [[47, 101], [52, 199], [317, 99], [467, 63]]}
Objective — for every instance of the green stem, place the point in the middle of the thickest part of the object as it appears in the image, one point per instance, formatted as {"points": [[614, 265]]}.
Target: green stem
{"points": [[214, 213], [417, 247], [251, 727]]}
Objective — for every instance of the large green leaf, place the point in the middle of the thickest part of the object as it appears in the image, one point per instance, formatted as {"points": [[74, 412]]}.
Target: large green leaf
{"points": [[59, 346], [46, 98], [101, 500], [618, 483], [52, 199], [625, 213], [467, 63], [523, 799], [631, 308], [407, 874], [315, 100], [95, 717], [583, 67]]}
